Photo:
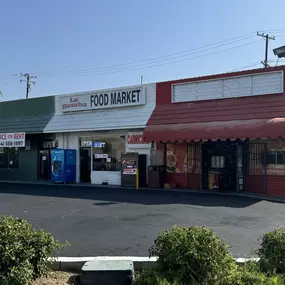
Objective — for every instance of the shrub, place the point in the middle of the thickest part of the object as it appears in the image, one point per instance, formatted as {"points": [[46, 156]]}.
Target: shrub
{"points": [[250, 274], [194, 255], [24, 251], [272, 251], [150, 277]]}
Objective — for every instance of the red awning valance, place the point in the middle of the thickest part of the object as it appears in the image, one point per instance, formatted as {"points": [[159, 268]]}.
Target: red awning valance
{"points": [[223, 130]]}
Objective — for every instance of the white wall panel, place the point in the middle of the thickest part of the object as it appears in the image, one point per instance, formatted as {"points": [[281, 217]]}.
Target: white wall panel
{"points": [[268, 83], [60, 139], [209, 90], [236, 87], [239, 86], [110, 177], [185, 92]]}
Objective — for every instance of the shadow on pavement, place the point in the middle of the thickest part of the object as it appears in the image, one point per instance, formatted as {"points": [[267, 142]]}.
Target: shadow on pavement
{"points": [[103, 196]]}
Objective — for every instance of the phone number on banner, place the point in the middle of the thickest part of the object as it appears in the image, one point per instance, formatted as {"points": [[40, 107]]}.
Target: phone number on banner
{"points": [[11, 143]]}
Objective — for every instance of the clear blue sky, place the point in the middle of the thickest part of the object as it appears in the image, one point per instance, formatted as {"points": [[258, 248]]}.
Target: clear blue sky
{"points": [[69, 43]]}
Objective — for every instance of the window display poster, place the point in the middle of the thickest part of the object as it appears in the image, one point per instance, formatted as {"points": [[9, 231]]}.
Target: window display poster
{"points": [[176, 158], [129, 166], [183, 158]]}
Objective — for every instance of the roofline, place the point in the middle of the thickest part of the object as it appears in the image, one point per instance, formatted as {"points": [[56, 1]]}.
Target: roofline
{"points": [[225, 75], [105, 90], [30, 98]]}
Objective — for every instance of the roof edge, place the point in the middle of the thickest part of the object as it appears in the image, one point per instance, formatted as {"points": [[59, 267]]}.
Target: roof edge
{"points": [[225, 75]]}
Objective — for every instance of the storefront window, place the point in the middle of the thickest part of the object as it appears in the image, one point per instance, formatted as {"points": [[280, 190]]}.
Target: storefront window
{"points": [[9, 157], [218, 161], [107, 155], [276, 157]]}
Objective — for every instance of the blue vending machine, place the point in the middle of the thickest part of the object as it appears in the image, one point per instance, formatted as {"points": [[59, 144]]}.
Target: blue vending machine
{"points": [[63, 165]]}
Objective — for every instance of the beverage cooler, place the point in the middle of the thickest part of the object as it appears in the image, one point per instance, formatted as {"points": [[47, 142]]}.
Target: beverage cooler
{"points": [[133, 165], [219, 176], [63, 165]]}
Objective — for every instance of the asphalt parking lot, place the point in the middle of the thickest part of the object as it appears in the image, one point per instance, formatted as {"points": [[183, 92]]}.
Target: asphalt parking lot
{"points": [[103, 221]]}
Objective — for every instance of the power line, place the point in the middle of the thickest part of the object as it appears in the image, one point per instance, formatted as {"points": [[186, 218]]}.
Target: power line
{"points": [[246, 66], [273, 31], [10, 79], [151, 62], [160, 58], [29, 82], [255, 64], [267, 38], [148, 66]]}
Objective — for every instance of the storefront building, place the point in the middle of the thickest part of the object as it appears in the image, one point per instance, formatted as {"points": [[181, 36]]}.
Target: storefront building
{"points": [[223, 132], [24, 149], [100, 126]]}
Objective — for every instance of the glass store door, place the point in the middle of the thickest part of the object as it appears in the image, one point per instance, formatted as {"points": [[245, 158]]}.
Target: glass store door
{"points": [[44, 164]]}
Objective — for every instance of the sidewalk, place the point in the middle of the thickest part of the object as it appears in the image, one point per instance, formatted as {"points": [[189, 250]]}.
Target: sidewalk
{"points": [[176, 190]]}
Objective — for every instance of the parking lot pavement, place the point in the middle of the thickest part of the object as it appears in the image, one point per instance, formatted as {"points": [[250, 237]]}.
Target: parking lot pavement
{"points": [[102, 221]]}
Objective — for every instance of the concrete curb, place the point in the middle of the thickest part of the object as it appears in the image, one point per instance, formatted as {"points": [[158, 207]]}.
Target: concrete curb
{"points": [[176, 190], [74, 264]]}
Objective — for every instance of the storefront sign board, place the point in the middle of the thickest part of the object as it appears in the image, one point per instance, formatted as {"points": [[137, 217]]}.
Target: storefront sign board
{"points": [[135, 140], [128, 97], [101, 155], [50, 144], [84, 143], [12, 139]]}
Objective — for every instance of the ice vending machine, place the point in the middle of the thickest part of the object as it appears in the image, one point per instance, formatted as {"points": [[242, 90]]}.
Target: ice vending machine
{"points": [[63, 165], [133, 164]]}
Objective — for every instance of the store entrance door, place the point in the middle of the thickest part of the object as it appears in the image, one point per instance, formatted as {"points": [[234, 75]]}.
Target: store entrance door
{"points": [[219, 166], [44, 164], [85, 164]]}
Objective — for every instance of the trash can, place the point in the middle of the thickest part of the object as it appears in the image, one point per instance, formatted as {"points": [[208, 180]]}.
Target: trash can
{"points": [[156, 176]]}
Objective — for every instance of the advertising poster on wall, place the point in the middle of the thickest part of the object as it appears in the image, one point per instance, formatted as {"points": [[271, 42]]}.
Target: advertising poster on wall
{"points": [[12, 139], [183, 158], [129, 166], [175, 158]]}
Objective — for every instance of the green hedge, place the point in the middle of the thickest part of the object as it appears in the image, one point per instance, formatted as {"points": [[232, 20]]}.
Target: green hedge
{"points": [[197, 256], [272, 251], [194, 255], [250, 274], [151, 277], [24, 251]]}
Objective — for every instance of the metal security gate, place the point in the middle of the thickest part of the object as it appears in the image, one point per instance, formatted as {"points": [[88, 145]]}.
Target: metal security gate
{"points": [[240, 166], [256, 180], [193, 161]]}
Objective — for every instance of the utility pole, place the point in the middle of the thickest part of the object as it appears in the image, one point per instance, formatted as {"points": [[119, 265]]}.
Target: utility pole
{"points": [[267, 38], [29, 82]]}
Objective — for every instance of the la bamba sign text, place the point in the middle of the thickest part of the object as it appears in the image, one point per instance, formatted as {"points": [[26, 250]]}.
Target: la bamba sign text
{"points": [[102, 100]]}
